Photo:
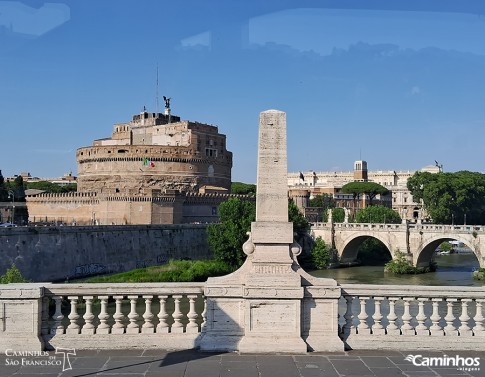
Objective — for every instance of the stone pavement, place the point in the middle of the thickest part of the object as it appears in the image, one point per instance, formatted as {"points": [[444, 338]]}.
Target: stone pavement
{"points": [[191, 363]]}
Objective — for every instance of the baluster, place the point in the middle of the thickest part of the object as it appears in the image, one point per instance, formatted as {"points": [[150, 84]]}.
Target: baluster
{"points": [[103, 327], [204, 315], [406, 328], [133, 327], [192, 315], [118, 327], [44, 329], [347, 316], [162, 326], [450, 329], [392, 317], [435, 328], [58, 328], [464, 329], [479, 329], [363, 317], [88, 327], [421, 329], [177, 315], [148, 326], [73, 327], [377, 328]]}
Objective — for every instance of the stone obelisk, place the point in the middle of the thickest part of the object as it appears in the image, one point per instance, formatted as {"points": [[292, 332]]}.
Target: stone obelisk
{"points": [[270, 304], [272, 288]]}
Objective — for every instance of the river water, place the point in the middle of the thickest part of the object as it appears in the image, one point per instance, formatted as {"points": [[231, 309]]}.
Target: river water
{"points": [[453, 269]]}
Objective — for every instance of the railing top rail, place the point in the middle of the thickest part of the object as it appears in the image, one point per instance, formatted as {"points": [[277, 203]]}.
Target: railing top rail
{"points": [[100, 289], [424, 291]]}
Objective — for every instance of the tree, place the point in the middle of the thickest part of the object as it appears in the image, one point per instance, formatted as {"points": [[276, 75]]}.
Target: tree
{"points": [[321, 254], [50, 187], [449, 197], [373, 251], [324, 200], [12, 275], [338, 215], [18, 188], [352, 188], [300, 223], [371, 189], [239, 188], [227, 237], [235, 217], [377, 214]]}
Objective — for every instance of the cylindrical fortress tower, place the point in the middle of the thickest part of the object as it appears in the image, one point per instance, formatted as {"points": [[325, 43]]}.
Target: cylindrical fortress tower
{"points": [[155, 152]]}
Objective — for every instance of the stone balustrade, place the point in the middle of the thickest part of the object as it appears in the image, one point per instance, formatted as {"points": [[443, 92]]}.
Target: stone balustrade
{"points": [[173, 315], [411, 317], [86, 316], [409, 226]]}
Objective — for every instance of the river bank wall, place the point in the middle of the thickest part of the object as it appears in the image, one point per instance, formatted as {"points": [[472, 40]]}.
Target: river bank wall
{"points": [[70, 252]]}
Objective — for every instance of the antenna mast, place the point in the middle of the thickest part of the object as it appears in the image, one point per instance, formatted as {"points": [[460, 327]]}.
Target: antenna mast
{"points": [[156, 95]]}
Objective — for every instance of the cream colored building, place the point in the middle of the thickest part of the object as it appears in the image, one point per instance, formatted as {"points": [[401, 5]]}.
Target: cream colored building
{"points": [[395, 181]]}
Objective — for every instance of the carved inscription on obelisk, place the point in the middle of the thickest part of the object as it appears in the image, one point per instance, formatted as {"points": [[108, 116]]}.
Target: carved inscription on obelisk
{"points": [[272, 185]]}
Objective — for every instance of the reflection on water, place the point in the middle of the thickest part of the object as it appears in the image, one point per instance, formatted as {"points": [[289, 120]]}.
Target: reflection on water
{"points": [[453, 269]]}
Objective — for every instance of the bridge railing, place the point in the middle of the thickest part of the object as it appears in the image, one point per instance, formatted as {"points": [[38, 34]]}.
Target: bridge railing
{"points": [[359, 226], [396, 317], [410, 226], [173, 316], [447, 228], [116, 315]]}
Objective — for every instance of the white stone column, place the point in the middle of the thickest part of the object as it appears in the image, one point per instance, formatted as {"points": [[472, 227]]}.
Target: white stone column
{"points": [[259, 307]]}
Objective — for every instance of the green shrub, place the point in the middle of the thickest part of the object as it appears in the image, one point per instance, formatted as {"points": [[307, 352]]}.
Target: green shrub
{"points": [[479, 274], [174, 271], [12, 275], [321, 254], [400, 265]]}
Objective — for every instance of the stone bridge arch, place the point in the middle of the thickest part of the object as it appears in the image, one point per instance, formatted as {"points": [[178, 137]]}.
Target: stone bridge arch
{"points": [[349, 250], [425, 254]]}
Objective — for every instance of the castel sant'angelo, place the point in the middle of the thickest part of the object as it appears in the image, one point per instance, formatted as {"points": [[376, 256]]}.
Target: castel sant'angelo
{"points": [[155, 169]]}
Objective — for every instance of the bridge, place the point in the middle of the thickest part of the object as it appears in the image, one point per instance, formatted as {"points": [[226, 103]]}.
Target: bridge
{"points": [[417, 241]]}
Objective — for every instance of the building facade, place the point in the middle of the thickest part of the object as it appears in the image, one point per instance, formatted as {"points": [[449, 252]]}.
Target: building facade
{"points": [[400, 198], [155, 169]]}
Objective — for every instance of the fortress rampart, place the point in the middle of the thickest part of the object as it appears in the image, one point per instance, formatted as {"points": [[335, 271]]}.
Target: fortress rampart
{"points": [[67, 252], [170, 207]]}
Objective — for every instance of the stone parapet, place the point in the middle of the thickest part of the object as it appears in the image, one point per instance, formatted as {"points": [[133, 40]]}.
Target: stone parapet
{"points": [[36, 317]]}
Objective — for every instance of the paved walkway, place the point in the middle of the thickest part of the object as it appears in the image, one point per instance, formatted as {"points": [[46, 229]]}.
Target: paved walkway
{"points": [[151, 363]]}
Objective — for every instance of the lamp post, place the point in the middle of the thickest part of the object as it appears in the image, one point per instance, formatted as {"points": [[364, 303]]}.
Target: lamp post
{"points": [[464, 221], [12, 195], [452, 219]]}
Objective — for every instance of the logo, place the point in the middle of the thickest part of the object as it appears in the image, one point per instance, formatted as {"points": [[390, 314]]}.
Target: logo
{"points": [[65, 357], [461, 363], [40, 358]]}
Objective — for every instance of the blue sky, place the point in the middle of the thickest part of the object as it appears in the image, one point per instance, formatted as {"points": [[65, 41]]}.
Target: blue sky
{"points": [[399, 86]]}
